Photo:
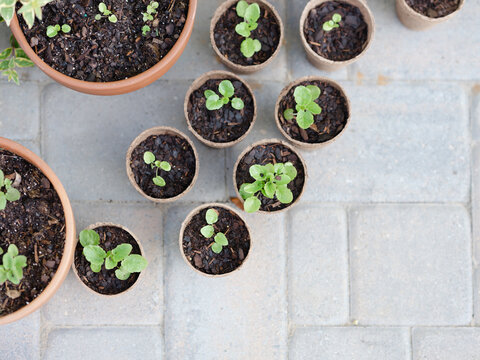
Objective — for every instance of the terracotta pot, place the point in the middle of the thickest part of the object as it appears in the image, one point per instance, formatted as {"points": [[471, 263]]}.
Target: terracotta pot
{"points": [[416, 21], [115, 87], [187, 221], [217, 75], [284, 92], [330, 65], [241, 68], [264, 142], [69, 247], [96, 226], [160, 130]]}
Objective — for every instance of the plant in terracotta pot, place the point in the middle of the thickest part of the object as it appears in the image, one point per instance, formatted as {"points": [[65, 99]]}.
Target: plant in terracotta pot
{"points": [[246, 35], [336, 33], [220, 109], [423, 14], [214, 240]]}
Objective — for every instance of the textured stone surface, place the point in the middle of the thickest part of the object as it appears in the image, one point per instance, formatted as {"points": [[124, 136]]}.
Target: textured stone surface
{"points": [[21, 340]]}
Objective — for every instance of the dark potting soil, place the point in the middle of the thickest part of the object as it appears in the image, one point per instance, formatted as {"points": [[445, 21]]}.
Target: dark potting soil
{"points": [[102, 51], [198, 250], [229, 42], [271, 153], [328, 124], [173, 149], [434, 8], [105, 282], [223, 125], [342, 43], [36, 225]]}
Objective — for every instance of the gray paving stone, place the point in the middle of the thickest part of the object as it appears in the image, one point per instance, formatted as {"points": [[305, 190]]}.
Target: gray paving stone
{"points": [[318, 266], [476, 230], [346, 343], [476, 113], [21, 340], [410, 265]]}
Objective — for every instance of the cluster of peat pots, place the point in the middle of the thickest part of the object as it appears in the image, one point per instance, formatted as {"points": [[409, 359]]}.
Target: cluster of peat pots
{"points": [[38, 242]]}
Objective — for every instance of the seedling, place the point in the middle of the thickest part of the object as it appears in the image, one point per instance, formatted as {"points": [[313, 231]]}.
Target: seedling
{"points": [[214, 102], [11, 58], [12, 265], [106, 13], [272, 181], [145, 29], [250, 14], [331, 24], [9, 193], [305, 97], [52, 31], [29, 9], [151, 10], [208, 231], [150, 159]]}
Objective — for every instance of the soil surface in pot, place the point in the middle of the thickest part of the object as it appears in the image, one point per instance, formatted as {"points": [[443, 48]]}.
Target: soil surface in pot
{"points": [[434, 8], [36, 225], [105, 282], [223, 125], [198, 249], [173, 149], [328, 124], [271, 153], [342, 43], [102, 51], [229, 42]]}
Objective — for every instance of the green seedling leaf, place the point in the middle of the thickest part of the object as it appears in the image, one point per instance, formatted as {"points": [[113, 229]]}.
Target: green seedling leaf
{"points": [[159, 181], [217, 248], [165, 166], [257, 172], [214, 102], [145, 29], [254, 187], [226, 88], [237, 104], [284, 194], [66, 28], [247, 48], [209, 93], [221, 239], [305, 119], [113, 19], [243, 29], [121, 252], [314, 91], [337, 18], [102, 7], [302, 96], [211, 216], [149, 157], [51, 31], [279, 168], [6, 53], [314, 108], [12, 194], [243, 193], [290, 170], [89, 237], [98, 17], [252, 13], [242, 8], [269, 190], [23, 63], [289, 114], [110, 263], [252, 204], [207, 231], [3, 201], [282, 179], [121, 274], [12, 250], [134, 263], [96, 268], [94, 254]]}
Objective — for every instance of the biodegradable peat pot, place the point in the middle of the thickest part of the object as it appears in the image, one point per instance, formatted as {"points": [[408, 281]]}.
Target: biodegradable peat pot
{"points": [[114, 87], [179, 180], [415, 19], [196, 249], [38, 179], [267, 151], [105, 282], [328, 125], [318, 43], [213, 127], [226, 42]]}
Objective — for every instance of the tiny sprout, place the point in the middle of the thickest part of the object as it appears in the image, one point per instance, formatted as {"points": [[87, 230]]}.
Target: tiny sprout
{"points": [[208, 231], [52, 31], [250, 14], [214, 102], [151, 10], [12, 265], [331, 24], [149, 159], [145, 29], [305, 97], [105, 12], [9, 194]]}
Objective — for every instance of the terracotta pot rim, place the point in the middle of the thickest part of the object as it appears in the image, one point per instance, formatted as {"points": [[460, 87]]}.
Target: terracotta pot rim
{"points": [[199, 82], [283, 93], [159, 130], [187, 220], [245, 68], [293, 150], [96, 226], [69, 246]]}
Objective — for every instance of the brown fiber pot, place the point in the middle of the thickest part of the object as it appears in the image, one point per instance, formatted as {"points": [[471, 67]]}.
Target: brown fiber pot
{"points": [[271, 141], [187, 221], [301, 144], [416, 21], [241, 68], [115, 87], [96, 226], [160, 130], [329, 65], [69, 247], [217, 75]]}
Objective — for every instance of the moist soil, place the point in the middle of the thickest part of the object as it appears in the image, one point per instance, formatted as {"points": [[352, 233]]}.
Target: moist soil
{"points": [[434, 8], [271, 153], [328, 124], [101, 51], [173, 149], [36, 225], [223, 125], [228, 41], [342, 43], [105, 282], [198, 249]]}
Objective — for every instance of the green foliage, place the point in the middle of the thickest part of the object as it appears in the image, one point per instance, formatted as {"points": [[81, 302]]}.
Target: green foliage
{"points": [[250, 14], [215, 102], [52, 30], [148, 16], [9, 193], [306, 107], [145, 29], [30, 9], [208, 231], [106, 13], [12, 265], [149, 159], [331, 24], [11, 58]]}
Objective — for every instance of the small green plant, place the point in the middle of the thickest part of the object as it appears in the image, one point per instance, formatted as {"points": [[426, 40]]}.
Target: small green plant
{"points": [[29, 9], [208, 231], [250, 14], [272, 181], [12, 265], [149, 159], [306, 107], [214, 102], [331, 24], [9, 193], [148, 16], [97, 257], [106, 13], [145, 30], [53, 30]]}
